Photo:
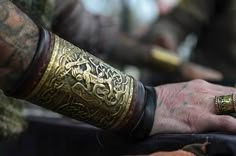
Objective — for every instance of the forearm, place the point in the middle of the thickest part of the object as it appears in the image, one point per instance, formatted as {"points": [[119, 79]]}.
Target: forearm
{"points": [[62, 77], [72, 82], [18, 42]]}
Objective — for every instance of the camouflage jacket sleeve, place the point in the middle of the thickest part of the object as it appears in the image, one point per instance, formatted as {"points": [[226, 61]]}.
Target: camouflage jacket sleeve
{"points": [[188, 17], [11, 119]]}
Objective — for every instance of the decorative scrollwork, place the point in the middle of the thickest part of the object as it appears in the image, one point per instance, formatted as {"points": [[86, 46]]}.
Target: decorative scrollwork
{"points": [[83, 87]]}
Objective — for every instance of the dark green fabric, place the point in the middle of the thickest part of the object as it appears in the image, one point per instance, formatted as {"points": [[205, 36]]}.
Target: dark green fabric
{"points": [[11, 120]]}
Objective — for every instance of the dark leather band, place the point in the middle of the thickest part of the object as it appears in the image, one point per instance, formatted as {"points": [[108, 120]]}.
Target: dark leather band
{"points": [[142, 113], [136, 110], [145, 124], [37, 67]]}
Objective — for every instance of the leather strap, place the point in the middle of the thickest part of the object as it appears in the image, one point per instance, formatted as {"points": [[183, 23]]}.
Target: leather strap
{"points": [[141, 121], [136, 110], [145, 124]]}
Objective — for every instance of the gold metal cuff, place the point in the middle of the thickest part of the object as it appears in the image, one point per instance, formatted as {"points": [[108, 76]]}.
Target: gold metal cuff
{"points": [[83, 87]]}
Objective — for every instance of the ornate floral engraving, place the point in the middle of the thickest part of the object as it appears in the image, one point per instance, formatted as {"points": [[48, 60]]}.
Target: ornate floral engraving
{"points": [[83, 87]]}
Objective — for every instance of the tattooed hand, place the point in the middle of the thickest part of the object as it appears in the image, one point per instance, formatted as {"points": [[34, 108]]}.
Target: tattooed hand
{"points": [[18, 42], [189, 108]]}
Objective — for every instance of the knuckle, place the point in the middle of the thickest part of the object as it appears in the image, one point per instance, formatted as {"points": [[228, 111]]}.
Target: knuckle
{"points": [[233, 90], [201, 86], [199, 81]]}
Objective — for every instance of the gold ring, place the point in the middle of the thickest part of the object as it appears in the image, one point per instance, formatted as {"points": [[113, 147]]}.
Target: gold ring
{"points": [[225, 104]]}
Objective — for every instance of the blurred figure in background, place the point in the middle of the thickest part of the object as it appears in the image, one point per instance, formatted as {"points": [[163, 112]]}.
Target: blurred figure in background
{"points": [[134, 16], [165, 6], [130, 20], [212, 21]]}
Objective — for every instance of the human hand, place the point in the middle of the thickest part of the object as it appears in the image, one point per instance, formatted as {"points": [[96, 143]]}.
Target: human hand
{"points": [[189, 108]]}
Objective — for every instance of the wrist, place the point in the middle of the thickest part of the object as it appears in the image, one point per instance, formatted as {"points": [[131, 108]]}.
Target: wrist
{"points": [[146, 121]]}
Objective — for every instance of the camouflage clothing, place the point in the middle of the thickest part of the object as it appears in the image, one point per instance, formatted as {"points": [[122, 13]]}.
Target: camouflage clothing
{"points": [[11, 121], [214, 22]]}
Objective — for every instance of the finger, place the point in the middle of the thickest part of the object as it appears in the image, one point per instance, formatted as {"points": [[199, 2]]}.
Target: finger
{"points": [[194, 71], [223, 123], [210, 104], [224, 90]]}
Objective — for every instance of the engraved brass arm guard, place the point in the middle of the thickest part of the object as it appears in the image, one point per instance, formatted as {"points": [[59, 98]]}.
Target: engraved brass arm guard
{"points": [[79, 85], [70, 81]]}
